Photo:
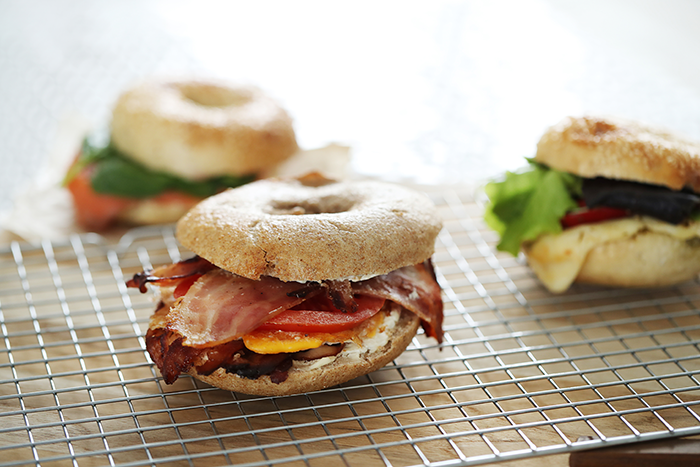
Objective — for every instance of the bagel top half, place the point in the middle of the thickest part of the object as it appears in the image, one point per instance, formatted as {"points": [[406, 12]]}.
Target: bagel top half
{"points": [[201, 128], [311, 228], [616, 148]]}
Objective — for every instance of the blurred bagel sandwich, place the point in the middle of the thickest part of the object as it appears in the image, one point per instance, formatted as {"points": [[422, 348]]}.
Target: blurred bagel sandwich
{"points": [[172, 143], [606, 201]]}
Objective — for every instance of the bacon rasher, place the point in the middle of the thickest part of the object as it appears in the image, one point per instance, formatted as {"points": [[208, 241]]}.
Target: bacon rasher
{"points": [[170, 274], [412, 287], [203, 328], [221, 306]]}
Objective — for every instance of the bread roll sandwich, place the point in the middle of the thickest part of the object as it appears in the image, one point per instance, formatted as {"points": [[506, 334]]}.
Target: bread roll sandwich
{"points": [[605, 201], [297, 285], [173, 143]]}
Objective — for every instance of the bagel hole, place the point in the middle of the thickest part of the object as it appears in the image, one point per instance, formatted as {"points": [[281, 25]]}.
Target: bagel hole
{"points": [[213, 96], [325, 205]]}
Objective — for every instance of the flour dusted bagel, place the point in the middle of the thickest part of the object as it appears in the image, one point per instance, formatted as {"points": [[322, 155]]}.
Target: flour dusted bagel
{"points": [[198, 128], [617, 148], [312, 229], [314, 377]]}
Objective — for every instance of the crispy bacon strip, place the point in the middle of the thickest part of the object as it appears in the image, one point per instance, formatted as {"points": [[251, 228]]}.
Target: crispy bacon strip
{"points": [[340, 293], [220, 306], [218, 356], [252, 365], [168, 353], [414, 288], [203, 329], [328, 350], [170, 274], [172, 358]]}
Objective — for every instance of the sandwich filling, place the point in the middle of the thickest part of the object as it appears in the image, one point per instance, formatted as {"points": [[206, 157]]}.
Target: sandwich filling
{"points": [[104, 182], [558, 217], [210, 318]]}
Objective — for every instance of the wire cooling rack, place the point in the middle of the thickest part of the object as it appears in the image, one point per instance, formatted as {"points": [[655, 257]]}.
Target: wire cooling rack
{"points": [[521, 372]]}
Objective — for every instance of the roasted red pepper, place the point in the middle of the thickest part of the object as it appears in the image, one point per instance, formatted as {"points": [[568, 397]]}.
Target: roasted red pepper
{"points": [[590, 216]]}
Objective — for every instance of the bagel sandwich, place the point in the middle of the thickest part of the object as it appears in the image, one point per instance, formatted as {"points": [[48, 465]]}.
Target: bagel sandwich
{"points": [[605, 201], [171, 143], [298, 284]]}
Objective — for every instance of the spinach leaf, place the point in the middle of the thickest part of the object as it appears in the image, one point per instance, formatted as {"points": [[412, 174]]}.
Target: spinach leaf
{"points": [[115, 174], [118, 176]]}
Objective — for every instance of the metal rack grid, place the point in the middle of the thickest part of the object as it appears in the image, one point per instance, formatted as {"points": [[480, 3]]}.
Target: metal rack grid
{"points": [[521, 372]]}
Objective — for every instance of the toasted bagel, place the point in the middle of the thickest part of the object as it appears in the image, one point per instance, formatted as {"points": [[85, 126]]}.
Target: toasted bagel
{"points": [[151, 212], [299, 284]]}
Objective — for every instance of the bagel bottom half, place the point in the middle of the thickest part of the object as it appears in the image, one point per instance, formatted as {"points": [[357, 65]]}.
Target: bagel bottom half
{"points": [[642, 258], [648, 259], [151, 211], [309, 377]]}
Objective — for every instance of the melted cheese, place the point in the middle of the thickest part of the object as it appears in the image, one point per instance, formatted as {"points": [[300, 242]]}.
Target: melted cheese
{"points": [[558, 259], [271, 342]]}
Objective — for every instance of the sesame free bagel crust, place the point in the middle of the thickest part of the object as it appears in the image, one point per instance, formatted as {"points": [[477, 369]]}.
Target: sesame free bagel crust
{"points": [[617, 148], [312, 229], [201, 128]]}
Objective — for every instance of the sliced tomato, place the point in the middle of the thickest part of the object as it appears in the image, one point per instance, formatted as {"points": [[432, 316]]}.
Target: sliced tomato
{"points": [[94, 211], [590, 216], [318, 314]]}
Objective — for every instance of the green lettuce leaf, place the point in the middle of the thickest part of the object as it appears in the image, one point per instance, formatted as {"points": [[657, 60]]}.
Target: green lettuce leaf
{"points": [[116, 174], [525, 205]]}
